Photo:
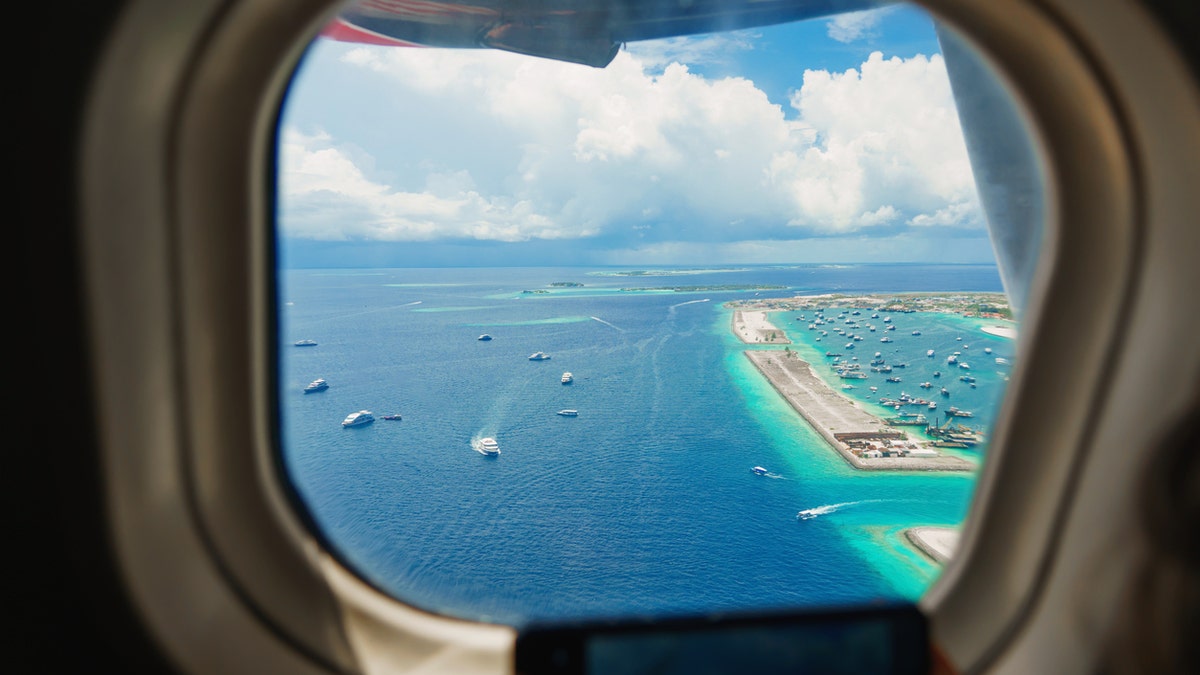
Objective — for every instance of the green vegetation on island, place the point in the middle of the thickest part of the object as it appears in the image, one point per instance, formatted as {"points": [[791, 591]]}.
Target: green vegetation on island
{"points": [[971, 304], [566, 284]]}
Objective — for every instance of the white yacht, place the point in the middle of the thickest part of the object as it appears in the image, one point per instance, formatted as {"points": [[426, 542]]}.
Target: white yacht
{"points": [[316, 385], [568, 413], [484, 338], [568, 378], [929, 353], [306, 343], [487, 446], [759, 470], [358, 419], [539, 356]]}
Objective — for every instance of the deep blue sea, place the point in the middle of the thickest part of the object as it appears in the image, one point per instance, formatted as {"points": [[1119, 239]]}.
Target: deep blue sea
{"points": [[645, 502]]}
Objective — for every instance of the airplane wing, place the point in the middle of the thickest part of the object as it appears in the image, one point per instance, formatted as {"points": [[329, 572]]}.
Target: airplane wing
{"points": [[588, 32]]}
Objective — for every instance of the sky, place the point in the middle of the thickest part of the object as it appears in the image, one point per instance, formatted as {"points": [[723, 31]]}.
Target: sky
{"points": [[829, 140]]}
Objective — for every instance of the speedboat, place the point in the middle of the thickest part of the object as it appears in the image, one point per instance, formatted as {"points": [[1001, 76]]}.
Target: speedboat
{"points": [[358, 419], [759, 471], [893, 379], [316, 385], [392, 418], [539, 356], [485, 337], [568, 413], [929, 353], [568, 378], [487, 446], [306, 343], [987, 350], [916, 332]]}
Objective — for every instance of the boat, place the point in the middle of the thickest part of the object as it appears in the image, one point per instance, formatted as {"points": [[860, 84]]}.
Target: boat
{"points": [[885, 339], [391, 418], [759, 471], [907, 420], [932, 405], [358, 419], [487, 446], [929, 353], [937, 373], [955, 412], [926, 385], [987, 350], [916, 332], [1001, 361], [952, 359], [485, 337], [964, 366], [539, 356], [893, 379], [568, 378], [891, 327], [945, 392], [306, 343], [966, 378], [568, 413], [316, 385]]}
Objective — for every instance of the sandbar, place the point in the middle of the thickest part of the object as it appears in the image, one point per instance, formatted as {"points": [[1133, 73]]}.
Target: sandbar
{"points": [[753, 327], [848, 429], [1001, 331], [938, 543]]}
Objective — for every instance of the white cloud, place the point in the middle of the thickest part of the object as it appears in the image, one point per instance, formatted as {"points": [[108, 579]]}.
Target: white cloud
{"points": [[852, 26], [547, 150]]}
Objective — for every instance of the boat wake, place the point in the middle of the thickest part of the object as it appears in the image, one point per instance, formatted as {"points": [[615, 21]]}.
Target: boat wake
{"points": [[411, 304], [689, 302], [596, 318], [815, 512]]}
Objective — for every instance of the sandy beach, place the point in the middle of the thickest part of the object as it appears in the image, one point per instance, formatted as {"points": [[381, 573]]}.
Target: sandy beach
{"points": [[1001, 331], [753, 327], [836, 417], [939, 543]]}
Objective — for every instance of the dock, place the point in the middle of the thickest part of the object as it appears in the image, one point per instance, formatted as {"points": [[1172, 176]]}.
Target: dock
{"points": [[849, 429]]}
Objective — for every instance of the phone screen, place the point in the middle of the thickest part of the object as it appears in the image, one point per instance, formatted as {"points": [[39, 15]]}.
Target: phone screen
{"points": [[873, 640]]}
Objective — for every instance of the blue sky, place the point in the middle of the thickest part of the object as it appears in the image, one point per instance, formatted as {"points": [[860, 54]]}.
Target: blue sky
{"points": [[830, 140]]}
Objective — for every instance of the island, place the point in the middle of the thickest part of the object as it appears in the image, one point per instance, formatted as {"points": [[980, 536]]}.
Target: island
{"points": [[864, 440], [566, 284], [983, 305], [938, 543]]}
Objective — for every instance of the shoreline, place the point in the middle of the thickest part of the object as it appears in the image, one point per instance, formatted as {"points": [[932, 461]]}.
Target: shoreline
{"points": [[1006, 332], [748, 324], [936, 543], [841, 422]]}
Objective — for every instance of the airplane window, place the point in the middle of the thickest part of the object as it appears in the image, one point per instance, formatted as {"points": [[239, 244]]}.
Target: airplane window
{"points": [[573, 329]]}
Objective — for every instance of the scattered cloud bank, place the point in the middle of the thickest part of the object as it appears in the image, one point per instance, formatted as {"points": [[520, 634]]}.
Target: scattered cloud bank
{"points": [[635, 154], [852, 26]]}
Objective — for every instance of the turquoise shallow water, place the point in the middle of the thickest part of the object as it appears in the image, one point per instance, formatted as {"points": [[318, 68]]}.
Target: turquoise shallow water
{"points": [[642, 504]]}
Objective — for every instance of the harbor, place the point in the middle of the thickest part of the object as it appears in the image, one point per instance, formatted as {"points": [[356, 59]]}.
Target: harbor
{"points": [[864, 440]]}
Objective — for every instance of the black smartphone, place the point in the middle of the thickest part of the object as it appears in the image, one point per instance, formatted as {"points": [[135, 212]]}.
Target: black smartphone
{"points": [[879, 640]]}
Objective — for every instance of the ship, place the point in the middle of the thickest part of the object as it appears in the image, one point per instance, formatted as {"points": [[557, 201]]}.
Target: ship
{"points": [[316, 385], [567, 378], [539, 356], [358, 419], [487, 447], [306, 343]]}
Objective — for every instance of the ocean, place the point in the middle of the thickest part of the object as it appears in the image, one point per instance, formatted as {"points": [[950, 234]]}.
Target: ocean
{"points": [[645, 502]]}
